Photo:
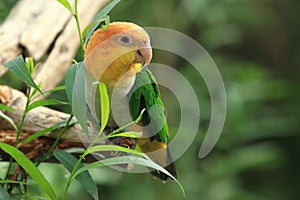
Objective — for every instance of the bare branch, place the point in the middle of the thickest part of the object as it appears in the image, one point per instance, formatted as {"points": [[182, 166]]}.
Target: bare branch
{"points": [[44, 28], [36, 120]]}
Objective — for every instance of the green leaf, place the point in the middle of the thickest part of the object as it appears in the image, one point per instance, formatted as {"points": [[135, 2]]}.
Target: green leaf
{"points": [[38, 134], [75, 150], [99, 18], [140, 116], [78, 97], [66, 4], [4, 194], [126, 134], [125, 160], [30, 168], [18, 67], [129, 124], [44, 102], [84, 32], [5, 107], [85, 179], [33, 92], [102, 21], [58, 88], [104, 102], [8, 119], [98, 148], [30, 64], [70, 80]]}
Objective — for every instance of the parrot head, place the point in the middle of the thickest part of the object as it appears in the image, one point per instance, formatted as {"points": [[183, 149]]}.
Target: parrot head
{"points": [[116, 54]]}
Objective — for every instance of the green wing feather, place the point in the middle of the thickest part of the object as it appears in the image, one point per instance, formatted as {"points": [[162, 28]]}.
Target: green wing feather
{"points": [[145, 94]]}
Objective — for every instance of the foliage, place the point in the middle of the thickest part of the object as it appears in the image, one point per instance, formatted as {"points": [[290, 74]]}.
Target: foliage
{"points": [[255, 44], [75, 84], [24, 70], [30, 168]]}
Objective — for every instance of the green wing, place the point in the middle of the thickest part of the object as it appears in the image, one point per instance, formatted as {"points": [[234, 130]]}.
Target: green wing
{"points": [[145, 94]]}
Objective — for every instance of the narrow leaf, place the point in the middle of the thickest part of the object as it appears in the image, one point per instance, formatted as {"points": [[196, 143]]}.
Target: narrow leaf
{"points": [[5, 107], [84, 32], [75, 150], [129, 124], [104, 102], [30, 64], [58, 88], [44, 102], [30, 168], [46, 130], [18, 67], [70, 80], [38, 134], [101, 15], [126, 134], [85, 179], [78, 97], [140, 116], [33, 92], [4, 194], [110, 148], [8, 119], [124, 160], [66, 4]]}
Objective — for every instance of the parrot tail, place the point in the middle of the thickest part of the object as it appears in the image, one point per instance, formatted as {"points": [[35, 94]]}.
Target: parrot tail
{"points": [[163, 177], [171, 168], [159, 153]]}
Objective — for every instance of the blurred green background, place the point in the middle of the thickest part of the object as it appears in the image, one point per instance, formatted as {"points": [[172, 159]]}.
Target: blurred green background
{"points": [[256, 46]]}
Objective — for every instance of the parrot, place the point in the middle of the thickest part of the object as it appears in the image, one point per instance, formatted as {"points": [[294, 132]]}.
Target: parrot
{"points": [[118, 56]]}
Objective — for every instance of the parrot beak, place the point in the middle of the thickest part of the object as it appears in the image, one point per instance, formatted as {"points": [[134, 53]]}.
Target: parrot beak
{"points": [[144, 54]]}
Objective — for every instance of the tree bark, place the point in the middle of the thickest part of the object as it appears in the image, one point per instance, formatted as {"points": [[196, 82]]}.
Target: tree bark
{"points": [[46, 31], [44, 28], [37, 120]]}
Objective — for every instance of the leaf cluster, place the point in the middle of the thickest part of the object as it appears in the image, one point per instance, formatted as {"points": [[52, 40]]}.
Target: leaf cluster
{"points": [[74, 88]]}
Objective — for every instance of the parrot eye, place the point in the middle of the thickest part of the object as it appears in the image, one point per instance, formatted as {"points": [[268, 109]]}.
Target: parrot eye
{"points": [[125, 39]]}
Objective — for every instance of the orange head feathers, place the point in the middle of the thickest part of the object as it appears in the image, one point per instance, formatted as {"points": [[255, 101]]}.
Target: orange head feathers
{"points": [[118, 51]]}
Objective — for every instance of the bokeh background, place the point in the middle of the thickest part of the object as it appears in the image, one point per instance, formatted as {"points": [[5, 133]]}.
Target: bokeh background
{"points": [[256, 46]]}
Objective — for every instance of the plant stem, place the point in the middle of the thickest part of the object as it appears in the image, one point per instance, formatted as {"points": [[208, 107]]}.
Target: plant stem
{"points": [[56, 141], [83, 49], [98, 138], [72, 175], [19, 129], [20, 126], [78, 26]]}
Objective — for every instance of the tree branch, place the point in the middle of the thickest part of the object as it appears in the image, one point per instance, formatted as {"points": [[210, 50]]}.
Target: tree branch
{"points": [[44, 28], [46, 31], [37, 120]]}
